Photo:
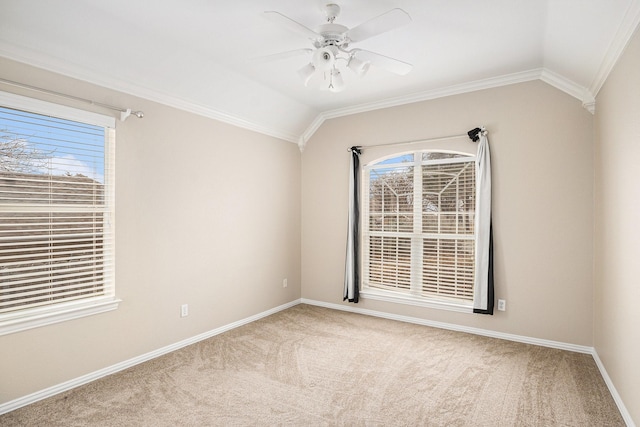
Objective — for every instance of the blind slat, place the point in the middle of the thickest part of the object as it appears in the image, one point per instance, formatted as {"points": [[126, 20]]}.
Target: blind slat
{"points": [[45, 270], [36, 253], [51, 276], [56, 210], [50, 288], [50, 300], [88, 253]]}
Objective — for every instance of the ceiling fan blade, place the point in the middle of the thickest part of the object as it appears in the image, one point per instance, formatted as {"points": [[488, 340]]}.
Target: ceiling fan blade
{"points": [[291, 25], [386, 22], [282, 55], [390, 64]]}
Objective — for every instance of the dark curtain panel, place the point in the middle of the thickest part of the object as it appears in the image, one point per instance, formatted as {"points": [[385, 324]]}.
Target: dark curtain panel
{"points": [[352, 263]]}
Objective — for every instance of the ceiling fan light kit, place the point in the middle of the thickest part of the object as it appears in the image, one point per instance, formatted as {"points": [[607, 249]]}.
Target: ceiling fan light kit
{"points": [[358, 66], [324, 59], [306, 73], [331, 47]]}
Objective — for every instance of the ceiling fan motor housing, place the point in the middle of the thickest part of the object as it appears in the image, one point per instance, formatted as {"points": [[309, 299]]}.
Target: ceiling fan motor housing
{"points": [[332, 34]]}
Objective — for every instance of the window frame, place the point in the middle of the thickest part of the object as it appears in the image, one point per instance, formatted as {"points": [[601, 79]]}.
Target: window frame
{"points": [[412, 298], [29, 318]]}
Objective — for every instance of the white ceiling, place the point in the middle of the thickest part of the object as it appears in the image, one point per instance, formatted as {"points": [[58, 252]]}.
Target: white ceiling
{"points": [[197, 54]]}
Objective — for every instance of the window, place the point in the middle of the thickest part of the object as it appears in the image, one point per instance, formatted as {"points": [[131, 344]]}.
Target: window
{"points": [[418, 228], [56, 213]]}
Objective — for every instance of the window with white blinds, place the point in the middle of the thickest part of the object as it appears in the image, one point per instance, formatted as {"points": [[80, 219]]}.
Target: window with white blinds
{"points": [[418, 225], [56, 213]]}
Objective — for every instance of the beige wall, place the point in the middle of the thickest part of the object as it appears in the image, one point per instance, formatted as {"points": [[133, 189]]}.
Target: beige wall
{"points": [[617, 225], [207, 214], [542, 146]]}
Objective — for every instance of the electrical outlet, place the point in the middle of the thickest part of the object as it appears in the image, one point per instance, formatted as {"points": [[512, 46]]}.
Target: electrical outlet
{"points": [[285, 283], [184, 310], [502, 305]]}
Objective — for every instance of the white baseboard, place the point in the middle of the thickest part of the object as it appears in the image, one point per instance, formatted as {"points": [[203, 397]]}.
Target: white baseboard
{"points": [[454, 327], [485, 332], [68, 385], [614, 393]]}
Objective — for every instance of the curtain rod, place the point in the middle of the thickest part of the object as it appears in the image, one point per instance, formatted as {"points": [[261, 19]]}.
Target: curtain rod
{"points": [[472, 134], [124, 112]]}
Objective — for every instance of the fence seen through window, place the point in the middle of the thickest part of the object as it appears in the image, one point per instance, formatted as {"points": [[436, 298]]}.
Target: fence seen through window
{"points": [[56, 210], [419, 236]]}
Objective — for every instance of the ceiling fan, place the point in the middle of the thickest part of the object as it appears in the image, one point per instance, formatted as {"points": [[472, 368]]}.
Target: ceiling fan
{"points": [[331, 46]]}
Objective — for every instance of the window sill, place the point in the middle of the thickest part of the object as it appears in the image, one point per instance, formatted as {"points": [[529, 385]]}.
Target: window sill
{"points": [[380, 295], [35, 318]]}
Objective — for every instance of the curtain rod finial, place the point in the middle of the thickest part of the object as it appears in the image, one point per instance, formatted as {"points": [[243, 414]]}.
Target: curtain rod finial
{"points": [[473, 134], [124, 114]]}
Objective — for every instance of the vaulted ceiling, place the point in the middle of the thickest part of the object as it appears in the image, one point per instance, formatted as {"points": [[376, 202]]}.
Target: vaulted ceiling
{"points": [[200, 55]]}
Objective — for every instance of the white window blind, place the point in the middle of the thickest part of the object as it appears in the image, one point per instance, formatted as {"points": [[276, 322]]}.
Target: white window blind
{"points": [[419, 236], [56, 210]]}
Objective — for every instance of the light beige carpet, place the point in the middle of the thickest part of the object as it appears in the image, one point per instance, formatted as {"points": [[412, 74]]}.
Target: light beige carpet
{"points": [[311, 366]]}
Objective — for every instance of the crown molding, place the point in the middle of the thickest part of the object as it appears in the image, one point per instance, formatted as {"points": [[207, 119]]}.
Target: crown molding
{"points": [[547, 76], [570, 87], [585, 95], [427, 95], [562, 83], [628, 26], [75, 71], [217, 115], [311, 129]]}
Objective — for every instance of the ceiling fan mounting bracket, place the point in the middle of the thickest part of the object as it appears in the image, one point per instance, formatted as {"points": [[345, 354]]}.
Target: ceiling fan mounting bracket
{"points": [[332, 11]]}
